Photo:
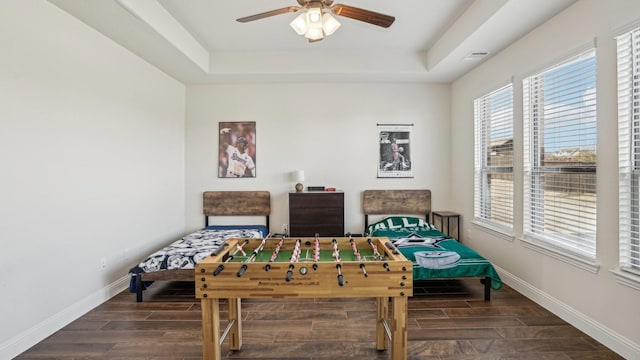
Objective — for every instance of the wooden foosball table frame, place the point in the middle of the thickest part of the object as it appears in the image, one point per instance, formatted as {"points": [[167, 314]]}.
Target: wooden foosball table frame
{"points": [[387, 277]]}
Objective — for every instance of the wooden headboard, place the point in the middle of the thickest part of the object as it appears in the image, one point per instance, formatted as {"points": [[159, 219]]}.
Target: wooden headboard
{"points": [[398, 202], [236, 203]]}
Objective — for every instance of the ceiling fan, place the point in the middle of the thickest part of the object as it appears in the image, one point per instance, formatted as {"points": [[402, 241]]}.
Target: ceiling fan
{"points": [[315, 21]]}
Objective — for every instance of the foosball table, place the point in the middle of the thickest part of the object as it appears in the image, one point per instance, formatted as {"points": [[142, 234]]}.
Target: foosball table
{"points": [[311, 267]]}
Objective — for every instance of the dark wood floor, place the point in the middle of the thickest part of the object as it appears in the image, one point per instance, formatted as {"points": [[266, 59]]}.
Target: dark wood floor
{"points": [[447, 320]]}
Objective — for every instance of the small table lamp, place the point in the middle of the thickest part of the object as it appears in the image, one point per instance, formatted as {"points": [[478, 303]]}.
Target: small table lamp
{"points": [[299, 177]]}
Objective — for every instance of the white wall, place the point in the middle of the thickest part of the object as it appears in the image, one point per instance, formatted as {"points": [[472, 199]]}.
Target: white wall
{"points": [[92, 154], [595, 303], [328, 130]]}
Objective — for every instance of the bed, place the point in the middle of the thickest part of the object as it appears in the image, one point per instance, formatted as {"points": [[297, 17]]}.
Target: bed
{"points": [[176, 261], [405, 221]]}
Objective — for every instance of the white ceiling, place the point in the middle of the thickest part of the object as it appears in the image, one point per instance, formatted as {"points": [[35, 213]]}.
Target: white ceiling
{"points": [[199, 41]]}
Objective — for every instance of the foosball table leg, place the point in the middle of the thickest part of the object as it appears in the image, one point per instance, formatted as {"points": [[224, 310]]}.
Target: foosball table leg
{"points": [[382, 313], [235, 333], [399, 341], [210, 329]]}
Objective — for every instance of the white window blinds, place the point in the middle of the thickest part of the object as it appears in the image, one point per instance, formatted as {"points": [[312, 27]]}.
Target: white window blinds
{"points": [[493, 170], [560, 157], [629, 148]]}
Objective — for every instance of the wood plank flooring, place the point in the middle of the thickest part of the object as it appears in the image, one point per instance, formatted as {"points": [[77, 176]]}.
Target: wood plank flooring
{"points": [[447, 320]]}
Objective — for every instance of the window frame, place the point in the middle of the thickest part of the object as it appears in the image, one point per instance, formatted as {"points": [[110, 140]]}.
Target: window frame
{"points": [[628, 88], [555, 244], [484, 118]]}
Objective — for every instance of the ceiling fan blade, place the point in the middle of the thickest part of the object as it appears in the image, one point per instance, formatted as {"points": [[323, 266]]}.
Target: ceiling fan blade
{"points": [[367, 16], [268, 14]]}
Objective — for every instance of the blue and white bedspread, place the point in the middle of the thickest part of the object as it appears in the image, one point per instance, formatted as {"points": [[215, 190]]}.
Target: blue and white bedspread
{"points": [[186, 252], [193, 248]]}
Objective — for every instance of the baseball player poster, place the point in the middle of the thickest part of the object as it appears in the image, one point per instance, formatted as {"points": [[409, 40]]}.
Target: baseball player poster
{"points": [[395, 151], [237, 150]]}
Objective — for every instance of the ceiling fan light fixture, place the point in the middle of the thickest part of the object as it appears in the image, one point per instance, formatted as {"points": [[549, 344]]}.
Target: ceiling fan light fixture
{"points": [[314, 33], [329, 24], [299, 24], [314, 24], [314, 16]]}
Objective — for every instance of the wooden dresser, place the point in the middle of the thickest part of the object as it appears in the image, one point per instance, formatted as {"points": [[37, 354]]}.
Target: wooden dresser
{"points": [[316, 212]]}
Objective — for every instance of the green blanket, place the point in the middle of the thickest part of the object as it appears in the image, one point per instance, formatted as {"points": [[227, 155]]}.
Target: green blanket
{"points": [[433, 254], [470, 263]]}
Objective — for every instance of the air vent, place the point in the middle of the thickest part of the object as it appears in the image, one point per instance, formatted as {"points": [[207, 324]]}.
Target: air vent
{"points": [[476, 55]]}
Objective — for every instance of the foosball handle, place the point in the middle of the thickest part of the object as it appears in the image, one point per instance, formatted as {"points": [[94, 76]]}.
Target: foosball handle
{"points": [[364, 270], [392, 247], [219, 249], [289, 273], [218, 270], [340, 277], [242, 270]]}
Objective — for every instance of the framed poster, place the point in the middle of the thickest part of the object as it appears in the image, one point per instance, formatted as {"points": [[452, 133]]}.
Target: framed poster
{"points": [[237, 149], [395, 151]]}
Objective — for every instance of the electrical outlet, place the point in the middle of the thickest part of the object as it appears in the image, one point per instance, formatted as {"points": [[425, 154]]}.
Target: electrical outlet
{"points": [[285, 229], [103, 263]]}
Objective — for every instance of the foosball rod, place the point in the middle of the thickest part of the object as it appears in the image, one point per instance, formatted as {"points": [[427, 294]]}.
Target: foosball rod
{"points": [[293, 259], [340, 276], [274, 256], [336, 256], [316, 252], [356, 253], [336, 250], [221, 266], [376, 253], [253, 256], [364, 270]]}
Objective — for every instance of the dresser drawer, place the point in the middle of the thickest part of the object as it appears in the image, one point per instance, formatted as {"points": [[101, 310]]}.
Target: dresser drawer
{"points": [[319, 216], [324, 230], [316, 200], [316, 213]]}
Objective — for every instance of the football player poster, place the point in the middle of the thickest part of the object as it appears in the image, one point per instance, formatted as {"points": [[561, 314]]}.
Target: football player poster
{"points": [[237, 149], [395, 151]]}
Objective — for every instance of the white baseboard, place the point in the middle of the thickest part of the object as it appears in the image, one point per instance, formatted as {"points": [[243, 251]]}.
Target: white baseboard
{"points": [[609, 338], [25, 340]]}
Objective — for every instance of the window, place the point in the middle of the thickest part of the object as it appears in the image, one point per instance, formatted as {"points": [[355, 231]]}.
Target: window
{"points": [[494, 159], [629, 149], [560, 160]]}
